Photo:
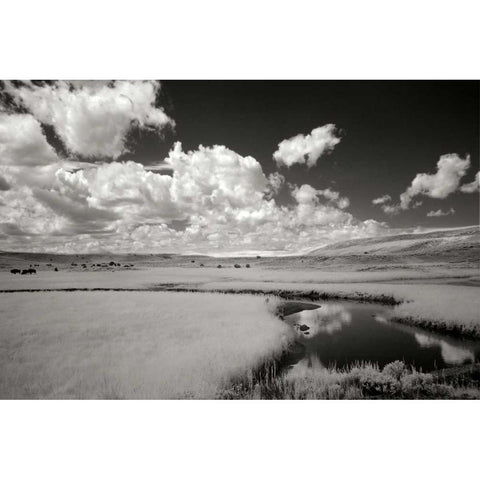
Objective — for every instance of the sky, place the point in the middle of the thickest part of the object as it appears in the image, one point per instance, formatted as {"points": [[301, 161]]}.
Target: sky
{"points": [[233, 167]]}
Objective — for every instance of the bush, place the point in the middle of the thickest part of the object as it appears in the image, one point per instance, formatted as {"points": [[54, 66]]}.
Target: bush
{"points": [[395, 369]]}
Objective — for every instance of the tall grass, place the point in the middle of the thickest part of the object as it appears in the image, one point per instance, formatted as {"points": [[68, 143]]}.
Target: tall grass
{"points": [[132, 344], [360, 381]]}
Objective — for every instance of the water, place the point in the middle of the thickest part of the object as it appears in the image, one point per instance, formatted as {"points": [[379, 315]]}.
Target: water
{"points": [[343, 333]]}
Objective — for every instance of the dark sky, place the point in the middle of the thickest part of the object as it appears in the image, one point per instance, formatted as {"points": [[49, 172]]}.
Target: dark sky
{"points": [[392, 130]]}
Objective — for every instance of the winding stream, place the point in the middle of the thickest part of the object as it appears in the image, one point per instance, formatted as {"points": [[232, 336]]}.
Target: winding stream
{"points": [[343, 333]]}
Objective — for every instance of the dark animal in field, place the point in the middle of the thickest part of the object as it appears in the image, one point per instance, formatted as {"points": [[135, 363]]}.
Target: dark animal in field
{"points": [[193, 261], [237, 265], [56, 269], [247, 265], [112, 264], [202, 265], [29, 271], [258, 256], [15, 271], [219, 266]]}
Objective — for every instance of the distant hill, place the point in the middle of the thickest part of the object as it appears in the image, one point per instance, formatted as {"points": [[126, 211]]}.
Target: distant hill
{"points": [[455, 243]]}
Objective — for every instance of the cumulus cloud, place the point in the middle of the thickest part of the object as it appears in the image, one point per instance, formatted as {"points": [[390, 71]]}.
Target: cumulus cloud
{"points": [[93, 118], [391, 209], [22, 141], [473, 186], [307, 149], [440, 213], [204, 200], [333, 196], [450, 170], [222, 201], [381, 200], [215, 177], [306, 194]]}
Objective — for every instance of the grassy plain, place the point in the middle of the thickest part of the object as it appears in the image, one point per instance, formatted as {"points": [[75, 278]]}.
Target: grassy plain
{"points": [[148, 343], [132, 344]]}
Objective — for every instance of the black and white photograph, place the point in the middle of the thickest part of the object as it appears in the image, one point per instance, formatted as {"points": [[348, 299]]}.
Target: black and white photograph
{"points": [[153, 248], [232, 231]]}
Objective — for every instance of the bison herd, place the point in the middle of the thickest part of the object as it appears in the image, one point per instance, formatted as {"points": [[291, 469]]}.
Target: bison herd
{"points": [[26, 271]]}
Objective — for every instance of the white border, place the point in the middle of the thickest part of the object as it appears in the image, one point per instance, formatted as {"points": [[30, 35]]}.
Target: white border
{"points": [[258, 39], [249, 39], [239, 439]]}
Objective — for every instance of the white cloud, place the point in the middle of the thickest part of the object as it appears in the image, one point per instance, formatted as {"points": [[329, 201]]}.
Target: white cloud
{"points": [[93, 118], [473, 186], [220, 198], [450, 170], [215, 177], [22, 142], [307, 149], [381, 200], [333, 196], [391, 209], [306, 194], [445, 181], [440, 213]]}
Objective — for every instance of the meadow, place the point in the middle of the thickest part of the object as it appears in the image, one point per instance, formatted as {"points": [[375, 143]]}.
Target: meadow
{"points": [[132, 344], [161, 329]]}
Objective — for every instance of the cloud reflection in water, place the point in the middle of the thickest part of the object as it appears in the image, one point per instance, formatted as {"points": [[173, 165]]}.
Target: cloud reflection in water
{"points": [[451, 354], [327, 319]]}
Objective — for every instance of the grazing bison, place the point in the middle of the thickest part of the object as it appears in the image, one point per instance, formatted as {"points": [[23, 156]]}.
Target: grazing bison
{"points": [[237, 265], [15, 271], [247, 265], [56, 269], [219, 266], [28, 271]]}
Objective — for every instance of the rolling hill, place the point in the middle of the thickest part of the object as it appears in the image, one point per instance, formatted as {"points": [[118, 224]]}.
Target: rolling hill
{"points": [[462, 244]]}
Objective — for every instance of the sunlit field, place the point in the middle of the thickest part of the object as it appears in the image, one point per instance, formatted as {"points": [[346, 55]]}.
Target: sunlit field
{"points": [[132, 344], [184, 328]]}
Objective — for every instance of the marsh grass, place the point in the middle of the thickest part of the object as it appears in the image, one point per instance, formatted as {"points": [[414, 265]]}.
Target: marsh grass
{"points": [[360, 381], [132, 344]]}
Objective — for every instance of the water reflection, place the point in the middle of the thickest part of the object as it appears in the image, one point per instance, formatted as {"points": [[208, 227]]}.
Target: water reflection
{"points": [[308, 365], [451, 354], [344, 333], [326, 319]]}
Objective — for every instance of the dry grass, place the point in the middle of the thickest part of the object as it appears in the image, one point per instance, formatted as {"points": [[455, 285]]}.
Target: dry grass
{"points": [[131, 345]]}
